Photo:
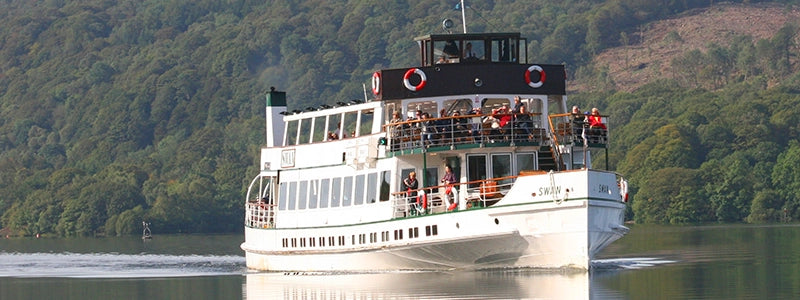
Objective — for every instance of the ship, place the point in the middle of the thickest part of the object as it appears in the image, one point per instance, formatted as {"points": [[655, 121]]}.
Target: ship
{"points": [[503, 170]]}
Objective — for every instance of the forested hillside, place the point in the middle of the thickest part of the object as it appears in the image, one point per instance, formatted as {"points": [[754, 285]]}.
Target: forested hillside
{"points": [[114, 112]]}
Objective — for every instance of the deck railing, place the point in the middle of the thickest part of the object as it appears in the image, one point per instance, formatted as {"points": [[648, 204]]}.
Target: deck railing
{"points": [[468, 129], [437, 199]]}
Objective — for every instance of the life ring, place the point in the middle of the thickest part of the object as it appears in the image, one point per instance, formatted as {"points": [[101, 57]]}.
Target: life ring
{"points": [[542, 76], [376, 83], [422, 81]]}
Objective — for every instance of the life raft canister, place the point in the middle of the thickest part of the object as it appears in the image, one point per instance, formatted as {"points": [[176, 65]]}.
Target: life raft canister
{"points": [[376, 83], [422, 81], [542, 76]]}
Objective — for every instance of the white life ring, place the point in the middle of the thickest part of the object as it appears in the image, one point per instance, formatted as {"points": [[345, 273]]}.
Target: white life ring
{"points": [[542, 76], [376, 83], [417, 87]]}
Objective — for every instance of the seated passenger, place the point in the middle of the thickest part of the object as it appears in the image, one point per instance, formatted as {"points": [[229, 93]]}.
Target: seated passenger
{"points": [[597, 129]]}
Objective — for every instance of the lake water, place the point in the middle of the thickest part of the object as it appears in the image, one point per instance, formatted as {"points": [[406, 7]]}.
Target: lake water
{"points": [[651, 262]]}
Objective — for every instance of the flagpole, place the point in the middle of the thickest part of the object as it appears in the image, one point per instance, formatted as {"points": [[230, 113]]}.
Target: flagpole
{"points": [[463, 16]]}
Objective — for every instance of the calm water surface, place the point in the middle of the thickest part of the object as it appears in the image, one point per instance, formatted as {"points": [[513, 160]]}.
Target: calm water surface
{"points": [[706, 262]]}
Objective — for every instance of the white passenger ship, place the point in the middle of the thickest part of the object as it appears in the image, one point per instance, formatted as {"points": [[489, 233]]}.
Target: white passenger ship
{"points": [[329, 195]]}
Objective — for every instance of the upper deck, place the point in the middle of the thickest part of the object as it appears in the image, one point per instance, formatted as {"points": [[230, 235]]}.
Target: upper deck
{"points": [[470, 63]]}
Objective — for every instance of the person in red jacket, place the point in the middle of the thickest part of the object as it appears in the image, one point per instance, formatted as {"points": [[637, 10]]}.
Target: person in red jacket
{"points": [[597, 129]]}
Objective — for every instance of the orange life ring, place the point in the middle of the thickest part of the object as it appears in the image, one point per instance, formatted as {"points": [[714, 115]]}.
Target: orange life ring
{"points": [[422, 81], [376, 83], [542, 76]]}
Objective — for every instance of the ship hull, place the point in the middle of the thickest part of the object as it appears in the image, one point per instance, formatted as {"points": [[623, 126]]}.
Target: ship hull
{"points": [[552, 234]]}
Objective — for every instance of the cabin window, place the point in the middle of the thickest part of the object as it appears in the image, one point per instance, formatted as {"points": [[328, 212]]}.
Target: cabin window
{"points": [[429, 107], [462, 106], [474, 50], [292, 196], [291, 133], [523, 51], [359, 190], [493, 103], [385, 192], [501, 167], [324, 192], [336, 188], [446, 51], [347, 191], [367, 117], [350, 119], [282, 196], [302, 195], [504, 50], [372, 187], [526, 162], [313, 193], [319, 129], [476, 168]]}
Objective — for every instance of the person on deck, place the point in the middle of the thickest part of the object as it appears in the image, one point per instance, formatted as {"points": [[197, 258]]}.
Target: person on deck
{"points": [[596, 127], [410, 185], [450, 180]]}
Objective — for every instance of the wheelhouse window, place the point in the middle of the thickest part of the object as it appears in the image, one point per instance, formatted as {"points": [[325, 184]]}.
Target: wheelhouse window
{"points": [[526, 162], [476, 168], [501, 166], [350, 119], [474, 50], [334, 124]]}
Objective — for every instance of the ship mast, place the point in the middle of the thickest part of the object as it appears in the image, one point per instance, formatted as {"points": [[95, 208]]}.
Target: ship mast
{"points": [[463, 17]]}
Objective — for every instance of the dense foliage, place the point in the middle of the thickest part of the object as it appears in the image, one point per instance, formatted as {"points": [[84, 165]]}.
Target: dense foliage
{"points": [[114, 112]]}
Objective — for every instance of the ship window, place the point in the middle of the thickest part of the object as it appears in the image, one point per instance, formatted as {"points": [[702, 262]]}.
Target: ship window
{"points": [[302, 195], [476, 168], [501, 167], [447, 50], [435, 229], [526, 162], [353, 240], [347, 191], [427, 231], [294, 242], [321, 241], [474, 50], [523, 50], [372, 187], [282, 196], [349, 124], [493, 103], [365, 126], [462, 106], [429, 107], [292, 196], [331, 241], [341, 240], [303, 242], [504, 50], [359, 190], [324, 192], [319, 129], [313, 193], [291, 133], [336, 188], [385, 192]]}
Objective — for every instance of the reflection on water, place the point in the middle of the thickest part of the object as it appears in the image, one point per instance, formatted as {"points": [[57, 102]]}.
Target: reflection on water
{"points": [[108, 265], [27, 274], [425, 285]]}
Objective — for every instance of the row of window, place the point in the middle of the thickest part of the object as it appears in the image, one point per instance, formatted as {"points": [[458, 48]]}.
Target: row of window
{"points": [[329, 127], [360, 239], [334, 192]]}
